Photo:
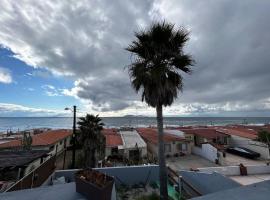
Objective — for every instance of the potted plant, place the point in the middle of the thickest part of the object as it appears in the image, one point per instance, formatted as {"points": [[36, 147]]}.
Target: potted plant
{"points": [[93, 184]]}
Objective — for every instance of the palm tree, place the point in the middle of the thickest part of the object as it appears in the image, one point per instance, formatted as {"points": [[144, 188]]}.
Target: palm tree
{"points": [[91, 139], [156, 71]]}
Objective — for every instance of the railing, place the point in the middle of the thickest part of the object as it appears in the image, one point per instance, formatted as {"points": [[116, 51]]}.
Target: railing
{"points": [[36, 177]]}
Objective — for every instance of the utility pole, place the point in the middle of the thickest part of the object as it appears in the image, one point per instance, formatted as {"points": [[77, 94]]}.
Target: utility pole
{"points": [[74, 137]]}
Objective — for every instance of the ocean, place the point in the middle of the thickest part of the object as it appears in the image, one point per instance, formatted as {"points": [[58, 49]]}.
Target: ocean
{"points": [[23, 123]]}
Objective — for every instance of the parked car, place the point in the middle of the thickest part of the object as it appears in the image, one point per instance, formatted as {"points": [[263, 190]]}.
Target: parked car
{"points": [[244, 152]]}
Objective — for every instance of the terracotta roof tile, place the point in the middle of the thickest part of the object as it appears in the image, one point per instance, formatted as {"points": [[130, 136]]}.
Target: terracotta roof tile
{"points": [[238, 132], [209, 133], [151, 135], [42, 139], [113, 139]]}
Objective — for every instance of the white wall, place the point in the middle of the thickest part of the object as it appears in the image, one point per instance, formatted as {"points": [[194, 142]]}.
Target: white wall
{"points": [[250, 144], [207, 151]]}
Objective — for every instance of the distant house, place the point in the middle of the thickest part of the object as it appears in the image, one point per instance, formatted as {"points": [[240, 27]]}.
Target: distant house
{"points": [[207, 135], [53, 141], [245, 137], [173, 144], [133, 145], [114, 144], [125, 143]]}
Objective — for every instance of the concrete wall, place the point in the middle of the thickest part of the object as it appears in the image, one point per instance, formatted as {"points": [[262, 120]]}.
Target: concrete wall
{"points": [[123, 175], [235, 171], [236, 141], [207, 151]]}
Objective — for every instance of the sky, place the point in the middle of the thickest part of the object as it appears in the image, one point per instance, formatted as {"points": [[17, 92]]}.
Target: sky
{"points": [[56, 54]]}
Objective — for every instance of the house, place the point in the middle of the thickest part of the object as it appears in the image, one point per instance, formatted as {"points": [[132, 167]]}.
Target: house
{"points": [[16, 164], [134, 146], [53, 141], [173, 143], [124, 143], [114, 143], [245, 137], [206, 135]]}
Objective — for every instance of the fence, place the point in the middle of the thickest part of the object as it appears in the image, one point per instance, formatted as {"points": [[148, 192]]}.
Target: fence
{"points": [[36, 177]]}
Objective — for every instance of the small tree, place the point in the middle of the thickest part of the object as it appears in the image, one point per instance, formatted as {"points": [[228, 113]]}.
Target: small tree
{"points": [[264, 136], [91, 139]]}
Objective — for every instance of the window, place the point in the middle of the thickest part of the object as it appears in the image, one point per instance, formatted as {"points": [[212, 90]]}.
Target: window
{"points": [[167, 148], [61, 142], [182, 146]]}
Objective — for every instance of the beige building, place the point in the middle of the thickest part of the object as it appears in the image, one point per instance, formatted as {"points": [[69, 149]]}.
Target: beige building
{"points": [[174, 145]]}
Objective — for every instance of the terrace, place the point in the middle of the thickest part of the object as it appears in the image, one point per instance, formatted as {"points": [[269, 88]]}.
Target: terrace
{"points": [[61, 185]]}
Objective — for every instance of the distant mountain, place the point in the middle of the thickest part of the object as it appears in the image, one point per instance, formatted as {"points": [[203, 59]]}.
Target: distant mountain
{"points": [[135, 116]]}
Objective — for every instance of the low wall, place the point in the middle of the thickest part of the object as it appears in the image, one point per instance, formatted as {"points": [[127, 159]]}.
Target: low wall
{"points": [[235, 170], [207, 151], [123, 175]]}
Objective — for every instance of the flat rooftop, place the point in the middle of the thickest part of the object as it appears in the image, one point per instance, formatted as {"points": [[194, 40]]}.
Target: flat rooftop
{"points": [[55, 192], [132, 139], [250, 179]]}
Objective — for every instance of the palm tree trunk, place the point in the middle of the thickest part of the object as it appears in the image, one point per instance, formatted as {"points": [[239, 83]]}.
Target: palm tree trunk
{"points": [[93, 158], [161, 156]]}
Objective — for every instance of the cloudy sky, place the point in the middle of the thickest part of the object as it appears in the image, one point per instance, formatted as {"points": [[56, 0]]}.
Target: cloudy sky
{"points": [[55, 54]]}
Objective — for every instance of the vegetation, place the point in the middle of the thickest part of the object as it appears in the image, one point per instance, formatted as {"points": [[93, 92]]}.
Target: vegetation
{"points": [[156, 70], [91, 139]]}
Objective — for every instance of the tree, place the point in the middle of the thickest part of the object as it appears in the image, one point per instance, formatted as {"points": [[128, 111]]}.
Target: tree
{"points": [[91, 139], [156, 71], [264, 136]]}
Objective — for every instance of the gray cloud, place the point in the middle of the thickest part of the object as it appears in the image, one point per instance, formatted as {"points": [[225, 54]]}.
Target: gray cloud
{"points": [[85, 40]]}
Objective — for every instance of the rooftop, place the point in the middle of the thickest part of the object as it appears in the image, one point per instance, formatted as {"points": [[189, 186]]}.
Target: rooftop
{"points": [[113, 139], [132, 138], [241, 132], [151, 135], [205, 183], [60, 192], [19, 158], [258, 191], [208, 133], [42, 139]]}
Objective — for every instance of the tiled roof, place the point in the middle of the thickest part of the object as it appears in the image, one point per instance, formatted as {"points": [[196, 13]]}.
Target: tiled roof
{"points": [[208, 133], [151, 135], [109, 131], [238, 132], [42, 139], [113, 139]]}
